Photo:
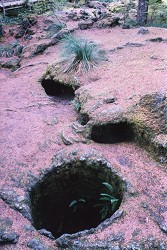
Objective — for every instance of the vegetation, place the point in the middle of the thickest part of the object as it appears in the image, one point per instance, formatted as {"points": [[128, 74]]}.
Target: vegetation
{"points": [[80, 54], [108, 201], [12, 49], [76, 204], [14, 16], [152, 12], [157, 14]]}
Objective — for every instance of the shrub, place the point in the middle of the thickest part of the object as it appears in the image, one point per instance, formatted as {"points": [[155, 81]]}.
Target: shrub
{"points": [[157, 14], [80, 54], [57, 5]]}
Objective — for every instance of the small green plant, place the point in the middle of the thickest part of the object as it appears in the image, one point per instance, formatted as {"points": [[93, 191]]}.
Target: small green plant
{"points": [[108, 201], [76, 204], [80, 54], [39, 7]]}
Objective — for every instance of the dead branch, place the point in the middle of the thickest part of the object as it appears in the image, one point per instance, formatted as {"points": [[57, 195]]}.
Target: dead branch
{"points": [[30, 65]]}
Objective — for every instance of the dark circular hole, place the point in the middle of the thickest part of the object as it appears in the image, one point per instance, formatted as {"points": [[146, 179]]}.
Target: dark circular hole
{"points": [[79, 183], [56, 89], [112, 133]]}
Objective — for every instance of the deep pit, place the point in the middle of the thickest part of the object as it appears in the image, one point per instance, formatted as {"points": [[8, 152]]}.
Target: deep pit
{"points": [[56, 89], [112, 133], [76, 181]]}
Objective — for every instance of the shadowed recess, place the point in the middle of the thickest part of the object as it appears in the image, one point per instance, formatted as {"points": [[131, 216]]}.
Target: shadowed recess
{"points": [[112, 133], [56, 89], [83, 119], [76, 181]]}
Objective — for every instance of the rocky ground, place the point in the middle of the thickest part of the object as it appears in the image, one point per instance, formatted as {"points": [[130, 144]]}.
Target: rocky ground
{"points": [[130, 89]]}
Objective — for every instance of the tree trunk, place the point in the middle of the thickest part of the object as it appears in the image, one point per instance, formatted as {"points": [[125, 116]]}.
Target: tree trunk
{"points": [[3, 6], [142, 12]]}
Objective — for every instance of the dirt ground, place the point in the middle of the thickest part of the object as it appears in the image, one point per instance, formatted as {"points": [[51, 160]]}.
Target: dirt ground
{"points": [[31, 126]]}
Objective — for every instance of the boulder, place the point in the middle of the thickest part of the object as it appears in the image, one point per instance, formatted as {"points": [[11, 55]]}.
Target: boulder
{"points": [[11, 64], [60, 35], [108, 22], [94, 4], [84, 25], [149, 120], [40, 48]]}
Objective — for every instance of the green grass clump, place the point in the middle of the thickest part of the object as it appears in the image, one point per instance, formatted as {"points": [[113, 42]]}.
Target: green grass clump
{"points": [[80, 54]]}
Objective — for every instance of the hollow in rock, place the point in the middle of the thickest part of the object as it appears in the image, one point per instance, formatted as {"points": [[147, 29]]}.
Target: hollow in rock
{"points": [[56, 89], [112, 133], [65, 200]]}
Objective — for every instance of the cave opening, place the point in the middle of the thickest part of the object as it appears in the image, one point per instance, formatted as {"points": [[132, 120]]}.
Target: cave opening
{"points": [[112, 133], [57, 89]]}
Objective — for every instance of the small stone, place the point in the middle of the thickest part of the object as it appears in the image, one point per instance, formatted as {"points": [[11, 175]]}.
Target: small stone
{"points": [[20, 198], [154, 57], [85, 25], [11, 237], [143, 31], [28, 228], [163, 228], [82, 158], [110, 100], [65, 139], [36, 245], [18, 206], [144, 204], [46, 233]]}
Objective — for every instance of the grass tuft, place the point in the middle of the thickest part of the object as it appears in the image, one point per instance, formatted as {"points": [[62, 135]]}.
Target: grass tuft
{"points": [[80, 54]]}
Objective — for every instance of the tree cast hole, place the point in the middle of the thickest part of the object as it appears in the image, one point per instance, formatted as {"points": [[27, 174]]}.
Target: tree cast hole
{"points": [[83, 119], [112, 133], [56, 89], [77, 181]]}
